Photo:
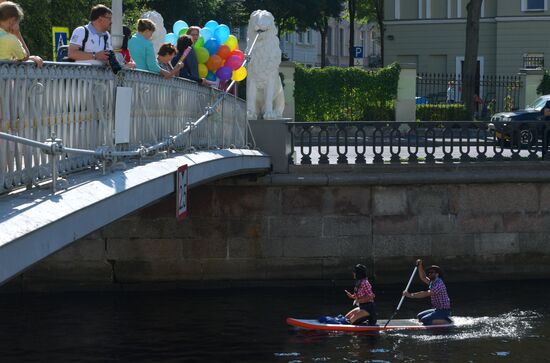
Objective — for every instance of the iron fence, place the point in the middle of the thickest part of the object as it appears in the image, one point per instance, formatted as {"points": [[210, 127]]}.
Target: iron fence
{"points": [[439, 96], [416, 142], [61, 118]]}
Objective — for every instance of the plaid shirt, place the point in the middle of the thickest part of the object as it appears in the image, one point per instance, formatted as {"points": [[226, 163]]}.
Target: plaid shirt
{"points": [[363, 289], [440, 299]]}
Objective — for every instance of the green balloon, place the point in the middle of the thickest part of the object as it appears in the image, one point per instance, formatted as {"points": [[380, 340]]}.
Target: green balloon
{"points": [[202, 55], [199, 43], [182, 32]]}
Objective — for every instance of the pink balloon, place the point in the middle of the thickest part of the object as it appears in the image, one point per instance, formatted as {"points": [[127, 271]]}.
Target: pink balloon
{"points": [[233, 62]]}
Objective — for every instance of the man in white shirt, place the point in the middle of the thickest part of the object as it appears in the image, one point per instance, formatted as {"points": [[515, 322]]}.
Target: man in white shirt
{"points": [[91, 43]]}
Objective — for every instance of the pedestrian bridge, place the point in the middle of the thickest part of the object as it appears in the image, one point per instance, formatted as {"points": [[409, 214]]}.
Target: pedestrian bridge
{"points": [[81, 147]]}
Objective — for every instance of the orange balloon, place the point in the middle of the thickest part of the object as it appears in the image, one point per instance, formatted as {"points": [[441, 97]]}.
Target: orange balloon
{"points": [[214, 62], [224, 51]]}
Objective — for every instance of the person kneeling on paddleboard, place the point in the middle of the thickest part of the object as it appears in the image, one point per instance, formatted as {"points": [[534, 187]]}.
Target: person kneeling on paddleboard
{"points": [[437, 291], [364, 298]]}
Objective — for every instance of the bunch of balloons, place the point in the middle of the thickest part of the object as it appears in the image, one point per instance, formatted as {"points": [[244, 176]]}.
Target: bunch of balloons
{"points": [[216, 49]]}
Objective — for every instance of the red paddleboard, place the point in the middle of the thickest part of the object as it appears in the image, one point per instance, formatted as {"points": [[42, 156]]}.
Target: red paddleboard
{"points": [[402, 324]]}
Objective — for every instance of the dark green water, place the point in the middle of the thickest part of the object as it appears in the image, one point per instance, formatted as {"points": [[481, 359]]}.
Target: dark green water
{"points": [[497, 322]]}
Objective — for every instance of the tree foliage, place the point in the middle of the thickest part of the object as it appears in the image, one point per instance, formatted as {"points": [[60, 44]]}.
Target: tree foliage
{"points": [[372, 10], [41, 16]]}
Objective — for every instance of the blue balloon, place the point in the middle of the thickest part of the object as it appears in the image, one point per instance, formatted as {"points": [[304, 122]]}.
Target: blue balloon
{"points": [[212, 45], [211, 76], [178, 26], [206, 33], [171, 38], [211, 24], [222, 33]]}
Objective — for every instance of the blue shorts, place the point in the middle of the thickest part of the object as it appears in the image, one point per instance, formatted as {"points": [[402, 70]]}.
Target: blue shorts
{"points": [[428, 316]]}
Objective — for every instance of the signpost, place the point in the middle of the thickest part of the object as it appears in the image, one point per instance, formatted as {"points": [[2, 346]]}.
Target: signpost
{"points": [[182, 188], [358, 56], [60, 36]]}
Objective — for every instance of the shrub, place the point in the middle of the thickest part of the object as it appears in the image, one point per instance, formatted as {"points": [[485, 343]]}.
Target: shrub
{"points": [[451, 112], [345, 94], [544, 86]]}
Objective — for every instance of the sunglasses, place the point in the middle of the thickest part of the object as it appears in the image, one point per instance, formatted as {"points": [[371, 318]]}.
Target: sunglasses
{"points": [[107, 17]]}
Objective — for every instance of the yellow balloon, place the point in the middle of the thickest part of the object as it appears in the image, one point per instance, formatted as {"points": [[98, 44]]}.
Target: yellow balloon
{"points": [[232, 42], [239, 74], [203, 70]]}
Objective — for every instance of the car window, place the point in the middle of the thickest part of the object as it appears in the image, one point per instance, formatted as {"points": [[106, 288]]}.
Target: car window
{"points": [[538, 104]]}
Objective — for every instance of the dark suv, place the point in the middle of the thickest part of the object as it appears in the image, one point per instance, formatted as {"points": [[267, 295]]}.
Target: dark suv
{"points": [[523, 128]]}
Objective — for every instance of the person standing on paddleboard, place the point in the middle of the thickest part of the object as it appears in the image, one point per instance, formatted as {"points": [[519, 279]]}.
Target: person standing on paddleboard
{"points": [[364, 298], [437, 291]]}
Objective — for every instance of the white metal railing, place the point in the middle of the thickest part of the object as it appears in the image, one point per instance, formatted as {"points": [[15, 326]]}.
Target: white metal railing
{"points": [[76, 105]]}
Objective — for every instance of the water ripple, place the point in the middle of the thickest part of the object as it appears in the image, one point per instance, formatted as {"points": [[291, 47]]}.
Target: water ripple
{"points": [[515, 324]]}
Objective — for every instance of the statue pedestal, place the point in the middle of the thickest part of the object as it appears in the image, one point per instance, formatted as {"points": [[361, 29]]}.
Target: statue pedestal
{"points": [[273, 138]]}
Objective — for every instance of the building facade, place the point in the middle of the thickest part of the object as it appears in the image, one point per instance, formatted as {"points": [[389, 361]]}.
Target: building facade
{"points": [[305, 47], [431, 33]]}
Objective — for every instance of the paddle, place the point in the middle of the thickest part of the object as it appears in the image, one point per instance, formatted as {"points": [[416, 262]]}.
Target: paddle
{"points": [[402, 297]]}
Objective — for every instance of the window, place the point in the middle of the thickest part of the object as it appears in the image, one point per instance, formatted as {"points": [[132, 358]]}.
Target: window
{"points": [[533, 60], [300, 37], [287, 37], [308, 37], [329, 41], [397, 13], [534, 5], [342, 48]]}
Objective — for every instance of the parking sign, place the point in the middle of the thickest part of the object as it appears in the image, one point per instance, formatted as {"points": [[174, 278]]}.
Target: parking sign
{"points": [[357, 52]]}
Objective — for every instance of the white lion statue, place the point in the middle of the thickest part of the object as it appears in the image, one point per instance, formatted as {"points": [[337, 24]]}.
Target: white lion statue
{"points": [[264, 90], [160, 30]]}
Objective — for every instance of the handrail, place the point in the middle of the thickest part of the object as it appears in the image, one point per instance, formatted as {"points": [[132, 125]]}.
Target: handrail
{"points": [[91, 91]]}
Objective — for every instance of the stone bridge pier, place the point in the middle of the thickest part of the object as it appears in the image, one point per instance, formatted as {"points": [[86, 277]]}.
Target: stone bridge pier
{"points": [[314, 226]]}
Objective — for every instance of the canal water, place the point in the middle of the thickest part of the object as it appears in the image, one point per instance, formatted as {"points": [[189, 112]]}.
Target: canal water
{"points": [[496, 322]]}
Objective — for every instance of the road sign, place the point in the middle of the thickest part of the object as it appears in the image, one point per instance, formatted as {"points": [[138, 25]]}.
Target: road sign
{"points": [[357, 52], [182, 188], [358, 62], [59, 38]]}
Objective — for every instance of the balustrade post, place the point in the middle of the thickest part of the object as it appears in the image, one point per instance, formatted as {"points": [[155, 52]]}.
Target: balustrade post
{"points": [[405, 105], [531, 79], [273, 137]]}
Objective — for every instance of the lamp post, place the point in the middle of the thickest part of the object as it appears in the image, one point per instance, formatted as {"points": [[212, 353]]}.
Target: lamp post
{"points": [[116, 26]]}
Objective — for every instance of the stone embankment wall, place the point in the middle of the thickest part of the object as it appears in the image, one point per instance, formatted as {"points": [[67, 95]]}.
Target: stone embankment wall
{"points": [[273, 229]]}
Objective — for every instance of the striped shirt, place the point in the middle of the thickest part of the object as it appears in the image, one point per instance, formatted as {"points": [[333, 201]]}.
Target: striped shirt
{"points": [[363, 289], [440, 299]]}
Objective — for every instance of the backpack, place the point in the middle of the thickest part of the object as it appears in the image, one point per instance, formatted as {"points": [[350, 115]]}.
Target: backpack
{"points": [[63, 51]]}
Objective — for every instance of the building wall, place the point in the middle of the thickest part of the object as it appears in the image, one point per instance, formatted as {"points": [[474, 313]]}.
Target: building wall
{"points": [[445, 39], [516, 38], [506, 34], [246, 230]]}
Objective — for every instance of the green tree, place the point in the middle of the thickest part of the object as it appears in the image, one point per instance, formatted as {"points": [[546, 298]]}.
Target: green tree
{"points": [[373, 10], [40, 17], [316, 14], [284, 11]]}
